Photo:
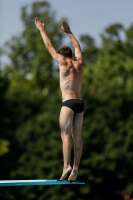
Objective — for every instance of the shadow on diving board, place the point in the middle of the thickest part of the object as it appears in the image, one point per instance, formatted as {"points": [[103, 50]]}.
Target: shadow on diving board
{"points": [[4, 183]]}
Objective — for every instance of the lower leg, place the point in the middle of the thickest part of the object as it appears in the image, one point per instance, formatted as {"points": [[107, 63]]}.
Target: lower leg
{"points": [[66, 139], [78, 146]]}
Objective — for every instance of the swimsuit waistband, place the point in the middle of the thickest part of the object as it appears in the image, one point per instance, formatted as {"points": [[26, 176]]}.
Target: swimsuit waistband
{"points": [[73, 99]]}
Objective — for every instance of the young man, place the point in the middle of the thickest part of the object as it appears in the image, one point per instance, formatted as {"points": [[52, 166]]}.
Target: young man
{"points": [[71, 115]]}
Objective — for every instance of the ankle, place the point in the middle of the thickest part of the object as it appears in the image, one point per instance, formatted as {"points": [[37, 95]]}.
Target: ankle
{"points": [[75, 168], [67, 167]]}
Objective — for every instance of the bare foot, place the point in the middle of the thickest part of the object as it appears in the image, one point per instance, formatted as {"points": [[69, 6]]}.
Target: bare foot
{"points": [[66, 171], [73, 175]]}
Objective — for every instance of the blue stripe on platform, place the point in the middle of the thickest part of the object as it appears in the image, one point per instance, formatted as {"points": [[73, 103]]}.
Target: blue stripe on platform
{"points": [[37, 182]]}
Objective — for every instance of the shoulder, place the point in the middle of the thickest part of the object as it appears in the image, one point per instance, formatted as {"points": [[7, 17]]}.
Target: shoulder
{"points": [[77, 64], [60, 60], [79, 60]]}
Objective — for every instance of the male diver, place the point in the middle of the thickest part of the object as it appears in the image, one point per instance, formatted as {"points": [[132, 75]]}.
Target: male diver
{"points": [[71, 114]]}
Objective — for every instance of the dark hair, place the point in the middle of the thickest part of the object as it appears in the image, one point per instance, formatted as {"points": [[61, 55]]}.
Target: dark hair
{"points": [[65, 51]]}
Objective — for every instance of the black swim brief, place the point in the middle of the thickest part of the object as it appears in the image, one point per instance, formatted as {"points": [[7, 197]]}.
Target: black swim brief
{"points": [[76, 105]]}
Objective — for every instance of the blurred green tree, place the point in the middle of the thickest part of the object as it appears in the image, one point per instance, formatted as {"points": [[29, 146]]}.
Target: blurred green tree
{"points": [[108, 127], [31, 101], [89, 49], [30, 95]]}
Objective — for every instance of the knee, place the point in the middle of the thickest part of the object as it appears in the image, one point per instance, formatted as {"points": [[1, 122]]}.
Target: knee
{"points": [[65, 136], [65, 130]]}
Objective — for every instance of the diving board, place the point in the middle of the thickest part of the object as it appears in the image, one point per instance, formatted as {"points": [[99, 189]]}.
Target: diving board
{"points": [[4, 183]]}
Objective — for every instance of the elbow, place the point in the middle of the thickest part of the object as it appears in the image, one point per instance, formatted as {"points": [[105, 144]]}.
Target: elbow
{"points": [[48, 45], [77, 46]]}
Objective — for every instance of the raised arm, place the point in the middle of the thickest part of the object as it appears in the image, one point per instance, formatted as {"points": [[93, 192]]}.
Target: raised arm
{"points": [[57, 57], [75, 43]]}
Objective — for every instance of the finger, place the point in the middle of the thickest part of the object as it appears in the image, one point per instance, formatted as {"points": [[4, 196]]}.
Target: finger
{"points": [[66, 23], [63, 21], [62, 28], [37, 19]]}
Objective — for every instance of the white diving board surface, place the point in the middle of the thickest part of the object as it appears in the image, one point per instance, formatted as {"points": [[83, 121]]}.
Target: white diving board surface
{"points": [[4, 183]]}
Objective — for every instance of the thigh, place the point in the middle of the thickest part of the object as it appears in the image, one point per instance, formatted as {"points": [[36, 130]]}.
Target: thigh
{"points": [[77, 124], [66, 119]]}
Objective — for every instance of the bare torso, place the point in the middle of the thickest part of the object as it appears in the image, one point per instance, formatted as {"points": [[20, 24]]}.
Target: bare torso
{"points": [[70, 79]]}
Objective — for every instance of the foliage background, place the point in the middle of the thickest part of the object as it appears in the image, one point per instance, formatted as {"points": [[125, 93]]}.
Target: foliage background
{"points": [[30, 99]]}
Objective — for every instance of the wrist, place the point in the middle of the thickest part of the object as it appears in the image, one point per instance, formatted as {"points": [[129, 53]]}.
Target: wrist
{"points": [[41, 29], [69, 33]]}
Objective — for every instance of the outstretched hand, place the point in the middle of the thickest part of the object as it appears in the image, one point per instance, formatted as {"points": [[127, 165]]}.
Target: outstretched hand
{"points": [[39, 24], [65, 27]]}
